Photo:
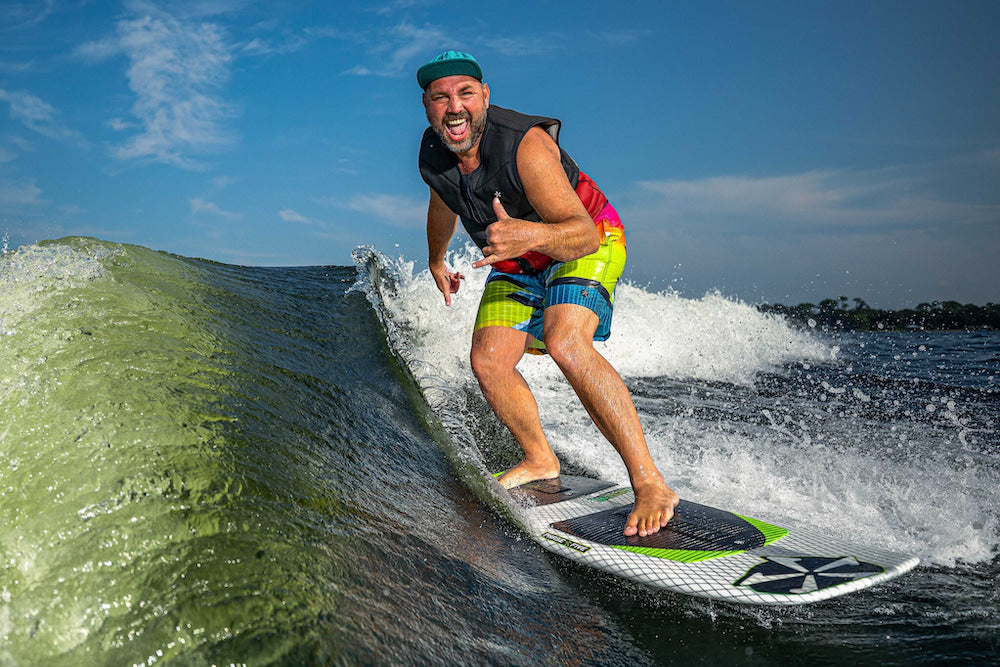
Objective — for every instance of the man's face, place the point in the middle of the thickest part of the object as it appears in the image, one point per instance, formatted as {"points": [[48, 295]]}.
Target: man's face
{"points": [[456, 109]]}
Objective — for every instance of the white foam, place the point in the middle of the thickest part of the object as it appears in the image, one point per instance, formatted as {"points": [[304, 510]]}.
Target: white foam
{"points": [[654, 334], [28, 273], [794, 460]]}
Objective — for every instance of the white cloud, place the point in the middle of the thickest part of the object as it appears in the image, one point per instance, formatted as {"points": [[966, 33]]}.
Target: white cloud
{"points": [[22, 15], [19, 193], [401, 212], [98, 50], [119, 124], [177, 70], [199, 205], [806, 202], [359, 70], [289, 215], [397, 47], [37, 115], [288, 43]]}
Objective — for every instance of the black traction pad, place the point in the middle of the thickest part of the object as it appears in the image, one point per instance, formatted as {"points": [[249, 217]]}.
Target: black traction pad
{"points": [[693, 527], [548, 491]]}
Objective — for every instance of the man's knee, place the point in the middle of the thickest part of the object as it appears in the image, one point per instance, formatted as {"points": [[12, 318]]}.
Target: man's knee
{"points": [[569, 333], [568, 347], [484, 364], [496, 352]]}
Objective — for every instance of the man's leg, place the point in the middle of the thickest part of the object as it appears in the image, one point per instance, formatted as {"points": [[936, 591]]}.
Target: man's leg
{"points": [[568, 336], [495, 353]]}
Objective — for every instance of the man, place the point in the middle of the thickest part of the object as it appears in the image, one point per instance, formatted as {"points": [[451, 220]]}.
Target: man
{"points": [[556, 248]]}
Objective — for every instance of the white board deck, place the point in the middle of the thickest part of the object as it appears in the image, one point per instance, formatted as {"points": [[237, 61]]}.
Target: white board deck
{"points": [[703, 551]]}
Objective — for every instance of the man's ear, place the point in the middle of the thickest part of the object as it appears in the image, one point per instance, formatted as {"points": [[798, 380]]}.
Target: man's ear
{"points": [[486, 94]]}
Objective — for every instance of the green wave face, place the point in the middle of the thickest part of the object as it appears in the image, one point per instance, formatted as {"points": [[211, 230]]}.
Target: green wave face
{"points": [[140, 510]]}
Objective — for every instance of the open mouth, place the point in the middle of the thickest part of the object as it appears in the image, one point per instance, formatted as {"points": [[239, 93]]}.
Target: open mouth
{"points": [[457, 128]]}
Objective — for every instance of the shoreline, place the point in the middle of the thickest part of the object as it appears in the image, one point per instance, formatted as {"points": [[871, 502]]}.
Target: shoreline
{"points": [[932, 316]]}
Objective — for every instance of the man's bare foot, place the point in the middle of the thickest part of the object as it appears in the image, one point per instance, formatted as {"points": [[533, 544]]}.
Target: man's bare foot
{"points": [[653, 508], [525, 472]]}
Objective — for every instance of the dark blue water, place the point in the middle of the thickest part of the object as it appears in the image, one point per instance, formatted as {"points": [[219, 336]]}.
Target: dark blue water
{"points": [[208, 464]]}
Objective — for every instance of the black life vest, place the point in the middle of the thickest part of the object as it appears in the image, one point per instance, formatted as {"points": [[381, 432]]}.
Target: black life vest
{"points": [[471, 196]]}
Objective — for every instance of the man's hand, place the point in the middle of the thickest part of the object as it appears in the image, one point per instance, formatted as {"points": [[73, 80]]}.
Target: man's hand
{"points": [[447, 281], [507, 237]]}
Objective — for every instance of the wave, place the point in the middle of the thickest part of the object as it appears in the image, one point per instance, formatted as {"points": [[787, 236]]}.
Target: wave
{"points": [[212, 463]]}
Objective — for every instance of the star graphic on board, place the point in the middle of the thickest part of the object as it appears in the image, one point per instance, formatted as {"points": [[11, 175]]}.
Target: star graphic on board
{"points": [[804, 574]]}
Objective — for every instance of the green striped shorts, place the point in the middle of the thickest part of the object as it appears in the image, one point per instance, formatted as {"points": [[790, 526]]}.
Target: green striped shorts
{"points": [[519, 301]]}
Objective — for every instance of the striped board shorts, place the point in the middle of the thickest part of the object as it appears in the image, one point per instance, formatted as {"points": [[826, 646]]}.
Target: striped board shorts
{"points": [[518, 301]]}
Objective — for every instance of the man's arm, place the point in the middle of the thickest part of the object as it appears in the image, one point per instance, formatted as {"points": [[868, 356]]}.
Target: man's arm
{"points": [[568, 233], [441, 223]]}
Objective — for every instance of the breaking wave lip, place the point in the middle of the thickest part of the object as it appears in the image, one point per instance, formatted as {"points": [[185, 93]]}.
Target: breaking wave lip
{"points": [[29, 271], [655, 334]]}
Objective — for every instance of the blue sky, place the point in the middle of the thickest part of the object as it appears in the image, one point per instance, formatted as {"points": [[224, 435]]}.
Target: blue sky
{"points": [[774, 151]]}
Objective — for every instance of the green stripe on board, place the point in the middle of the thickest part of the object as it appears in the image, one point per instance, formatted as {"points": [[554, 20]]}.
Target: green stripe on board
{"points": [[771, 532], [679, 555]]}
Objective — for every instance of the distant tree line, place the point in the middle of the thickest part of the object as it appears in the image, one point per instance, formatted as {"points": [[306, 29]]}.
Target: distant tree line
{"points": [[934, 316]]}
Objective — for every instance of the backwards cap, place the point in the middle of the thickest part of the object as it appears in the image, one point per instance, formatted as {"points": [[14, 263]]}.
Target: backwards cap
{"points": [[448, 63]]}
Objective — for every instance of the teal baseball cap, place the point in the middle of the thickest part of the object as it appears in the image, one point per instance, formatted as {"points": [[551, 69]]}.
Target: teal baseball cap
{"points": [[448, 63]]}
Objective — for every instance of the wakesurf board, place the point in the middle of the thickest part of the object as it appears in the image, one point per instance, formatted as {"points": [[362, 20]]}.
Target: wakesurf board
{"points": [[703, 551]]}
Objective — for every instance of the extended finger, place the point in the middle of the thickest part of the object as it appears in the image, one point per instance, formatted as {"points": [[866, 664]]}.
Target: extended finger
{"points": [[486, 261], [498, 208]]}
